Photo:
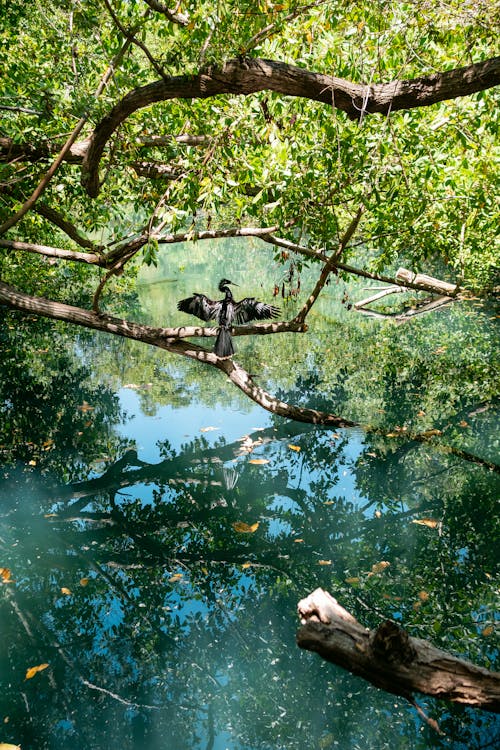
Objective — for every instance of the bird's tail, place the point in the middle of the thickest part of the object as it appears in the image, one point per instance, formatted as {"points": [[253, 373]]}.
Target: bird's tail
{"points": [[224, 343]]}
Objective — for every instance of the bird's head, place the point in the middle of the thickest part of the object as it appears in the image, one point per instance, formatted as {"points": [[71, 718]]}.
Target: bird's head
{"points": [[224, 282]]}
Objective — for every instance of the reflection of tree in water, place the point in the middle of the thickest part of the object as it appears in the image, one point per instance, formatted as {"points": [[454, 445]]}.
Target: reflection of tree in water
{"points": [[51, 416], [179, 625]]}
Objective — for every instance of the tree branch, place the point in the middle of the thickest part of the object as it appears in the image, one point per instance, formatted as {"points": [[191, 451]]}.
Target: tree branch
{"points": [[94, 259], [173, 15], [390, 659], [247, 76], [329, 266], [66, 226]]}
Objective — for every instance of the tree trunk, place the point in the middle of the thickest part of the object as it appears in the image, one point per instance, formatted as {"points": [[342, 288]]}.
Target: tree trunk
{"points": [[391, 659]]}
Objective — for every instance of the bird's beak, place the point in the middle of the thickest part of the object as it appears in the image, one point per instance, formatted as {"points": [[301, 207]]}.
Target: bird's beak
{"points": [[233, 283]]}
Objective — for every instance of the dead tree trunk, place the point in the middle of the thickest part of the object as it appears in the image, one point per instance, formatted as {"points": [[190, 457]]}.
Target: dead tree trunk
{"points": [[391, 659]]}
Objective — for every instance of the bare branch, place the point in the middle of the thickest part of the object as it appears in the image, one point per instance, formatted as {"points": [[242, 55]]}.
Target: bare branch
{"points": [[329, 266], [94, 259], [172, 15]]}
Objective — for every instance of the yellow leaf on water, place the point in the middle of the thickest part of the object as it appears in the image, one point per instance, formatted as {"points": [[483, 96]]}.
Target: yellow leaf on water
{"points": [[246, 565], [430, 522], [423, 596], [298, 541], [329, 502], [5, 575], [324, 562], [31, 672], [380, 566], [488, 630], [352, 580], [430, 433], [245, 528], [258, 461], [85, 407], [175, 577], [8, 746], [65, 591], [84, 581], [463, 423], [294, 447]]}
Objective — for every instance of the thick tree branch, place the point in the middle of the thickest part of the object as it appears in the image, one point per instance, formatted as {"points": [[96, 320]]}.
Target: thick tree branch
{"points": [[94, 259], [390, 659], [248, 76], [66, 226], [173, 15]]}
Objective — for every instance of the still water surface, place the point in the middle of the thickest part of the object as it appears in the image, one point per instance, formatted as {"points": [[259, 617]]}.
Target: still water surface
{"points": [[159, 528]]}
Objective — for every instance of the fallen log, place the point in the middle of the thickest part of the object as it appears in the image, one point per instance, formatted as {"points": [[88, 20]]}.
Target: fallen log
{"points": [[391, 659], [426, 283]]}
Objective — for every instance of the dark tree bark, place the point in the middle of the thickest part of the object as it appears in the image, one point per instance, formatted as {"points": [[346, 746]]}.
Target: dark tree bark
{"points": [[391, 659], [247, 76]]}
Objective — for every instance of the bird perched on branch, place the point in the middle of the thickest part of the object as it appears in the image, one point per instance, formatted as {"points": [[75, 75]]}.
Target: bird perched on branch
{"points": [[226, 312]]}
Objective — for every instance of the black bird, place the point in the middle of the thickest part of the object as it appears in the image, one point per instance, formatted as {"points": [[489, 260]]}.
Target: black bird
{"points": [[226, 312]]}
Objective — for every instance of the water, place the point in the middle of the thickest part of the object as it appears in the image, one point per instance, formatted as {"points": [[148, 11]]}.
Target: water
{"points": [[159, 529]]}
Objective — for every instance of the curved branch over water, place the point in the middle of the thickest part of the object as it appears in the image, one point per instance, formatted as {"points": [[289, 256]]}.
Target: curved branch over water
{"points": [[248, 76]]}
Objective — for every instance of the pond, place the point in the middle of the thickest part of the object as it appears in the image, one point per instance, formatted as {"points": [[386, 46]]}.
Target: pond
{"points": [[157, 529]]}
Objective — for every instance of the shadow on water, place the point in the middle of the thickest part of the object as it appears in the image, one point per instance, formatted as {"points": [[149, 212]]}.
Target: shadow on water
{"points": [[161, 592]]}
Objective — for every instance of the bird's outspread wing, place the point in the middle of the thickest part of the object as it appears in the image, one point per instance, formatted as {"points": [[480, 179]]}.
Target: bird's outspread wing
{"points": [[251, 309], [201, 306]]}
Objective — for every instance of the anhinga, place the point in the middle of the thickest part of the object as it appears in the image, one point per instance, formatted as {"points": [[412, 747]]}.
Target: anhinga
{"points": [[226, 312]]}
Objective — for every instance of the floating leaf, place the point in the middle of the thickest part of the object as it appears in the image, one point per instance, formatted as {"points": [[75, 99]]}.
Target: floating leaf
{"points": [[245, 528], [380, 566], [463, 423], [329, 502], [298, 541], [246, 565], [84, 581], [355, 579], [421, 413], [488, 630], [430, 522], [373, 455], [294, 447], [324, 562], [31, 672], [259, 461], [5, 575], [175, 577], [378, 514], [431, 433], [8, 746], [65, 591], [85, 407]]}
